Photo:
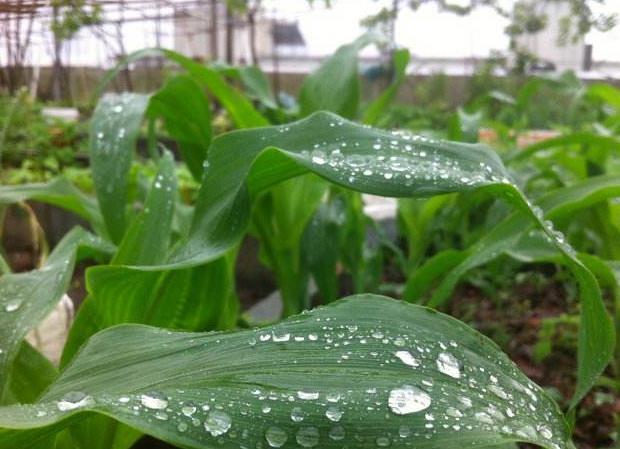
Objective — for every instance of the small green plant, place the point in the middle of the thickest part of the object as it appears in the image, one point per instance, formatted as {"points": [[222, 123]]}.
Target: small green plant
{"points": [[366, 371]]}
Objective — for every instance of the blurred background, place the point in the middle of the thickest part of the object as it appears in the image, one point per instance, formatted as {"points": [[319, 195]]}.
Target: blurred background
{"points": [[59, 49]]}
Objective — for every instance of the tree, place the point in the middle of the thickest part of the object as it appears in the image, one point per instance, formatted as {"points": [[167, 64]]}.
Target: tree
{"points": [[68, 16]]}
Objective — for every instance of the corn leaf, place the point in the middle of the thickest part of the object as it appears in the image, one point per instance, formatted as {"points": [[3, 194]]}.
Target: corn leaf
{"points": [[366, 371], [596, 324], [26, 298]]}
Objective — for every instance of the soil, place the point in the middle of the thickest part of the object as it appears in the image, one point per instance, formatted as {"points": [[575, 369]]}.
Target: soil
{"points": [[515, 323]]}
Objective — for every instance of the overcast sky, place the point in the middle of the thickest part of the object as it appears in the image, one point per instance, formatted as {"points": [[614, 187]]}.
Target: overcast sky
{"points": [[426, 32]]}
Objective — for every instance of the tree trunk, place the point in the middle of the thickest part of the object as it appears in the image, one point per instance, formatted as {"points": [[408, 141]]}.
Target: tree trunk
{"points": [[214, 31]]}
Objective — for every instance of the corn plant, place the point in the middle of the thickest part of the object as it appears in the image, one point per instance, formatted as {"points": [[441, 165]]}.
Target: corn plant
{"points": [[365, 371]]}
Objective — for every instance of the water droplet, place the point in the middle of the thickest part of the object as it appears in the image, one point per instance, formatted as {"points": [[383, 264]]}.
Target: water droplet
{"points": [[312, 337], [318, 157], [74, 400], [455, 413], [188, 410], [307, 436], [336, 433], [333, 397], [407, 358], [297, 414], [498, 391], [161, 415], [283, 337], [333, 413], [404, 431], [13, 305], [154, 401], [217, 423], [449, 365], [266, 409], [408, 399], [483, 418], [545, 431], [382, 441], [182, 427], [308, 395], [275, 436]]}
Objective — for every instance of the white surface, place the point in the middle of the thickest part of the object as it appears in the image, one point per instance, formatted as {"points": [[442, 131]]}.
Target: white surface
{"points": [[50, 337]]}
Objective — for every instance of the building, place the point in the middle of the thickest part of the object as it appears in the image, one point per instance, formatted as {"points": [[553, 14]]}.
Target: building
{"points": [[546, 45], [203, 34]]}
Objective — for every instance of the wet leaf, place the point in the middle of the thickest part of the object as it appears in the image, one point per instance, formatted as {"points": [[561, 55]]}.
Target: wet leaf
{"points": [[366, 371], [26, 298]]}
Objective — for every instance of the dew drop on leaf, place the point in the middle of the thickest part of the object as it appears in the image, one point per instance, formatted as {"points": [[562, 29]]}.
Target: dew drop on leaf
{"points": [[404, 431], [275, 436], [307, 436], [217, 423], [154, 401], [407, 358], [188, 410], [333, 414], [12, 305], [449, 365], [408, 399], [383, 441], [308, 395], [297, 415], [337, 433], [73, 400]]}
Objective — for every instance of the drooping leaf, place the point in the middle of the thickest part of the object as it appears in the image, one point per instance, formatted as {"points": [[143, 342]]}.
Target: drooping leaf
{"points": [[595, 325], [30, 375], [364, 371], [58, 192], [240, 108], [26, 298], [185, 108]]}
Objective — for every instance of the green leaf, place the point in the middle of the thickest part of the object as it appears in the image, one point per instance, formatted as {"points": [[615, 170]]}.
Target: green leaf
{"points": [[365, 371], [348, 154], [240, 108], [147, 239], [335, 86], [30, 375], [58, 192], [597, 335], [378, 106], [185, 108], [583, 138], [113, 133], [320, 246], [198, 298], [26, 298]]}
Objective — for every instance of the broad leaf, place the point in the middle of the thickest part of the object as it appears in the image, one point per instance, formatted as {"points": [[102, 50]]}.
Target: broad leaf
{"points": [[366, 371], [596, 325], [185, 108], [58, 192], [26, 298], [335, 86], [240, 108], [113, 133]]}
